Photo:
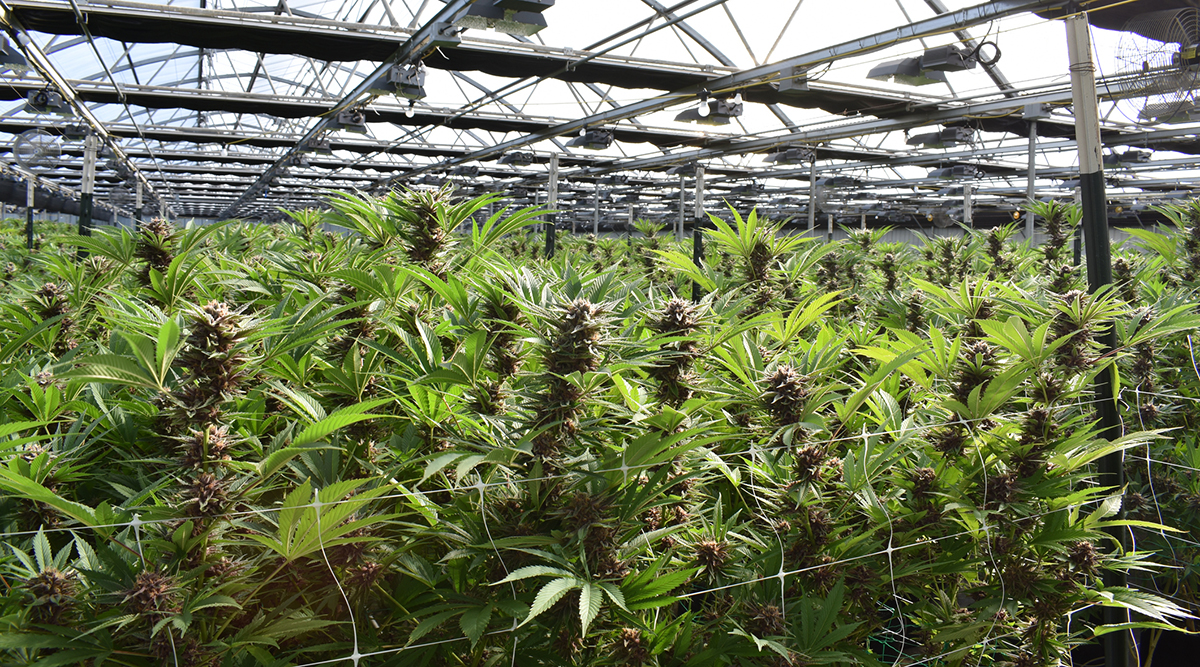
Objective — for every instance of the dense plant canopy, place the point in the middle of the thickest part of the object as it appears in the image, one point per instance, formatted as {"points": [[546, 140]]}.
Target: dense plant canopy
{"points": [[413, 445]]}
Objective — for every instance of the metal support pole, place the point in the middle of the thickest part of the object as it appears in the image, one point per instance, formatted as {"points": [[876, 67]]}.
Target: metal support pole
{"points": [[682, 207], [29, 192], [697, 229], [829, 228], [1078, 230], [90, 148], [1099, 271], [968, 206], [1031, 176], [596, 211], [139, 207], [551, 204], [812, 194], [862, 222]]}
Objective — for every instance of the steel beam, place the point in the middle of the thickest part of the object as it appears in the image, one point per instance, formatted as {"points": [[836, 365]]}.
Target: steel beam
{"points": [[415, 45], [955, 20]]}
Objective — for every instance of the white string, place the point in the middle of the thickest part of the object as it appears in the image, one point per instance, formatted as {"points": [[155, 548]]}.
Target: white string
{"points": [[987, 541], [623, 468], [481, 488], [317, 505], [889, 550]]}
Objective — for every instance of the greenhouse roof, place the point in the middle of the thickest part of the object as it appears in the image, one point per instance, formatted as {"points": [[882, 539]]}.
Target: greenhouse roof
{"points": [[218, 109]]}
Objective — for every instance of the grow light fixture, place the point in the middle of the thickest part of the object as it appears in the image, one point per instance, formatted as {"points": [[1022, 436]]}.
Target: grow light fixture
{"points": [[839, 182], [513, 17], [317, 145], [401, 81], [944, 138], [12, 60], [907, 71], [947, 58], [615, 179], [47, 101], [465, 170], [592, 139], [749, 190], [431, 180], [712, 112], [1127, 158], [957, 171], [517, 158], [75, 132], [351, 120], [685, 169], [791, 155]]}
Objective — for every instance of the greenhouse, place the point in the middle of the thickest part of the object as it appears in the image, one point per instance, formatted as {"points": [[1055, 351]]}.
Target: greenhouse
{"points": [[625, 333]]}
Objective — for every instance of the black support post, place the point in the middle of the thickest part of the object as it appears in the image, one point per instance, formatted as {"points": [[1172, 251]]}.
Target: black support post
{"points": [[1098, 253], [698, 232], [90, 148], [551, 204], [29, 192]]}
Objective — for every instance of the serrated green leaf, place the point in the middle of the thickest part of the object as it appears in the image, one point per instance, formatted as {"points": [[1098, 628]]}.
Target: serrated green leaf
{"points": [[590, 598], [474, 622], [549, 595], [532, 571]]}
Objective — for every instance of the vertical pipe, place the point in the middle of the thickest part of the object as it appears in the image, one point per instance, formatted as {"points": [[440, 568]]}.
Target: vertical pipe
{"points": [[551, 204], [862, 223], [90, 147], [29, 191], [812, 194], [1078, 230], [697, 229], [596, 211], [138, 207], [1030, 177], [829, 228], [1099, 272], [969, 205], [682, 208]]}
